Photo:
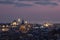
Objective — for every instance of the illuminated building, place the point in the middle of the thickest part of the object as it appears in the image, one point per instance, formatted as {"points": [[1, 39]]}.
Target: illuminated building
{"points": [[47, 24], [19, 20], [14, 23], [26, 22], [24, 28], [5, 28]]}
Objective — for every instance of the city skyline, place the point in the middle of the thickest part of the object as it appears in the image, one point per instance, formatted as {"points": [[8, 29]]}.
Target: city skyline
{"points": [[45, 10]]}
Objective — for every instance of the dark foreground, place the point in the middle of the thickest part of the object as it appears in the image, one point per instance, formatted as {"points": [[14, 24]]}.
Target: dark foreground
{"points": [[33, 34]]}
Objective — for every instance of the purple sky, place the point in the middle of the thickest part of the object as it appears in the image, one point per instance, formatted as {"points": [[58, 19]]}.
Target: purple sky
{"points": [[30, 10]]}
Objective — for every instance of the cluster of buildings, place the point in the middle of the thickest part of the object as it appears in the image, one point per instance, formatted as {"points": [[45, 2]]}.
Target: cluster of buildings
{"points": [[23, 26], [16, 25], [28, 31]]}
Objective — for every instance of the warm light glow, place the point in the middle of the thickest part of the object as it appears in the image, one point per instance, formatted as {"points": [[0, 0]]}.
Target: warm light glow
{"points": [[47, 24], [14, 23], [26, 22], [29, 26], [22, 28], [7, 26], [5, 29], [19, 20], [3, 26]]}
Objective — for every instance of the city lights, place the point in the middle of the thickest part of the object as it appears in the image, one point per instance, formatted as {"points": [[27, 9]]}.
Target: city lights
{"points": [[19, 19], [7, 26], [23, 28], [5, 29], [14, 23], [47, 24], [3, 26], [26, 22], [29, 26], [29, 20]]}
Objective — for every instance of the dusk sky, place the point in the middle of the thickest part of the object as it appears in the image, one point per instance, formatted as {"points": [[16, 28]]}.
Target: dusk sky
{"points": [[31, 10]]}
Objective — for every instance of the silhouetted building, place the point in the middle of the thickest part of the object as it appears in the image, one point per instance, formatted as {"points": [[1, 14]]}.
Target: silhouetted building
{"points": [[23, 22]]}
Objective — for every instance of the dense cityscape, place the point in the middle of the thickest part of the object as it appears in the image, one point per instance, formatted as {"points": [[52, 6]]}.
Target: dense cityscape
{"points": [[22, 30], [29, 19]]}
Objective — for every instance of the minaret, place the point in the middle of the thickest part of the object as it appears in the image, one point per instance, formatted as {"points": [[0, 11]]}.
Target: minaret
{"points": [[22, 22], [19, 20]]}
